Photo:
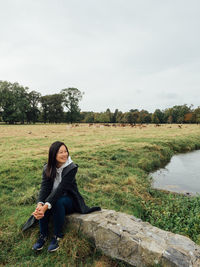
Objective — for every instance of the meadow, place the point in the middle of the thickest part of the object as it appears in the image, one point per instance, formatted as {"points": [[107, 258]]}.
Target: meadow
{"points": [[114, 166]]}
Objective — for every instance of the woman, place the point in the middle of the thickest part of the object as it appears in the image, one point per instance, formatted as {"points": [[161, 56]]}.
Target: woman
{"points": [[58, 195]]}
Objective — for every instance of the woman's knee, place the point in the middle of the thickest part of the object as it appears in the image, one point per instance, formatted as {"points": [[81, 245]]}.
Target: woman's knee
{"points": [[64, 201], [59, 203]]}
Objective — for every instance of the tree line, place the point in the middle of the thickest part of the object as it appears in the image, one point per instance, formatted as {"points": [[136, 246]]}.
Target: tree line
{"points": [[18, 105], [176, 114]]}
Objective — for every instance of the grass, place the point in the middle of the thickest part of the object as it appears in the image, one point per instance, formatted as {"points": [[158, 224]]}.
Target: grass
{"points": [[114, 166]]}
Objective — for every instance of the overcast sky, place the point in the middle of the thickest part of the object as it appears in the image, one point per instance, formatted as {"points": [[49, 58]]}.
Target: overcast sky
{"points": [[123, 54]]}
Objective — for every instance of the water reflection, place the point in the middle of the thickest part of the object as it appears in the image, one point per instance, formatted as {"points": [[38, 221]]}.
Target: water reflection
{"points": [[181, 175]]}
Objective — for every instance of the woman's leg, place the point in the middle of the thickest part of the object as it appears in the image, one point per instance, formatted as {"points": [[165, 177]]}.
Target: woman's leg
{"points": [[43, 231], [43, 223], [63, 206]]}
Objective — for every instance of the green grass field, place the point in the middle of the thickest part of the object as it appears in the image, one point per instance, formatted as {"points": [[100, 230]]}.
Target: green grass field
{"points": [[114, 163]]}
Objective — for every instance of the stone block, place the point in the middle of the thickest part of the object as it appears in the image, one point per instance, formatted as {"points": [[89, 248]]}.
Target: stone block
{"points": [[124, 237]]}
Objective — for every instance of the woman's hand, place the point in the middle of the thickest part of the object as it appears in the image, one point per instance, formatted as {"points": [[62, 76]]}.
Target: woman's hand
{"points": [[40, 211], [38, 214], [39, 206]]}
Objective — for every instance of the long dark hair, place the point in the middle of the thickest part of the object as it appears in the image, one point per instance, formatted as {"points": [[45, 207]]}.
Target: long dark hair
{"points": [[51, 165]]}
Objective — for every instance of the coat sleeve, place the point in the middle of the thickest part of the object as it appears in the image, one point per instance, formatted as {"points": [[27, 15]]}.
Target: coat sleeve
{"points": [[66, 183], [46, 187]]}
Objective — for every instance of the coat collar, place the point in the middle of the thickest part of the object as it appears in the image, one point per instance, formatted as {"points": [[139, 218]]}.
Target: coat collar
{"points": [[68, 162]]}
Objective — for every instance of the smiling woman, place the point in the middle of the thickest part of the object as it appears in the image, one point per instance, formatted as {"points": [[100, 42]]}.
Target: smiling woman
{"points": [[58, 195], [62, 155]]}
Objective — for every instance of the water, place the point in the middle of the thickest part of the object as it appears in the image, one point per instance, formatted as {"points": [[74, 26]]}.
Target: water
{"points": [[181, 175]]}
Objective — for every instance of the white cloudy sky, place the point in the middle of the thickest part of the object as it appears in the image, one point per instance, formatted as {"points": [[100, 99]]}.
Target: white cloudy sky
{"points": [[123, 54]]}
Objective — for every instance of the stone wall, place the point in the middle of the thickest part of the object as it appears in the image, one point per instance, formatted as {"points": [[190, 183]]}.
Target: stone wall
{"points": [[138, 243]]}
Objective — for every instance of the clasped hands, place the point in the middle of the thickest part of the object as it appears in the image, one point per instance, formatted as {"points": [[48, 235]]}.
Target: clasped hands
{"points": [[40, 211]]}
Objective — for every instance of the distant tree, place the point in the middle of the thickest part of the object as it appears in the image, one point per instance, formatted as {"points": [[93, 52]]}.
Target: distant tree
{"points": [[179, 113], [158, 116], [196, 115], [114, 117], [97, 117], [129, 117], [176, 114], [87, 117], [102, 117], [188, 117], [52, 109], [44, 109], [170, 119], [33, 110], [154, 118], [71, 98], [134, 115], [14, 102], [142, 115], [120, 117], [109, 115], [6, 102], [168, 115]]}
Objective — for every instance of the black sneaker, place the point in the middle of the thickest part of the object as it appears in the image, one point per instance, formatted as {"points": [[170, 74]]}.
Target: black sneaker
{"points": [[54, 244], [40, 243]]}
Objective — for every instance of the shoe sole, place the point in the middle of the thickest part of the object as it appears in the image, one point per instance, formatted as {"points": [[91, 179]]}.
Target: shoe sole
{"points": [[38, 249], [52, 250]]}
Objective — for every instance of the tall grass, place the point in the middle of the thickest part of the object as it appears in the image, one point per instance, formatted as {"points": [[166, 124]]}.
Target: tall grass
{"points": [[114, 166]]}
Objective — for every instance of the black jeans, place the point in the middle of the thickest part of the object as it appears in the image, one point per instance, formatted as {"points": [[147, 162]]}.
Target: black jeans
{"points": [[63, 206]]}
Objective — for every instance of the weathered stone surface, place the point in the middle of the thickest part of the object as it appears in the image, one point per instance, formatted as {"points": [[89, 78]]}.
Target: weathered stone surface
{"points": [[138, 243]]}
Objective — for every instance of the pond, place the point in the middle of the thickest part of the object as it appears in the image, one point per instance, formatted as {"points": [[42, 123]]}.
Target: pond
{"points": [[181, 174]]}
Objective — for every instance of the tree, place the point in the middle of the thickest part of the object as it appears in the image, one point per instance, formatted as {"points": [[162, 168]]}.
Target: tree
{"points": [[134, 115], [176, 114], [129, 117], [114, 117], [119, 117], [158, 116], [87, 116], [196, 115], [52, 109], [109, 115], [179, 112], [6, 102], [71, 98], [168, 115], [13, 102], [144, 116], [188, 117], [101, 117], [33, 111]]}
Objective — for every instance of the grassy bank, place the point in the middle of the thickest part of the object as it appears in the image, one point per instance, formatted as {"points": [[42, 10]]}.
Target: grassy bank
{"points": [[114, 164]]}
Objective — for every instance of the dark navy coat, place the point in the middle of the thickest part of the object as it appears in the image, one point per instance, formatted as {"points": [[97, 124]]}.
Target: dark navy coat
{"points": [[67, 186]]}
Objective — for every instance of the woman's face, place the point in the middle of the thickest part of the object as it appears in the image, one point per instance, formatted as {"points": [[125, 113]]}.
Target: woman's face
{"points": [[62, 155]]}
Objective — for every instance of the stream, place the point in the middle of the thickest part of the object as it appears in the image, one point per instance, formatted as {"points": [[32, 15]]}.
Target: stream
{"points": [[181, 174]]}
